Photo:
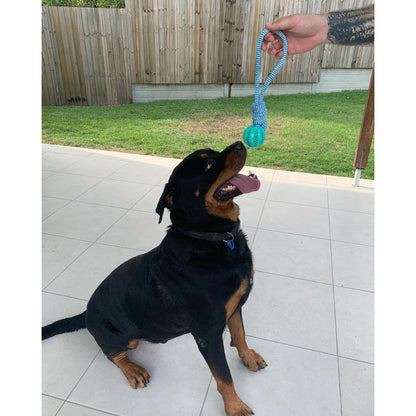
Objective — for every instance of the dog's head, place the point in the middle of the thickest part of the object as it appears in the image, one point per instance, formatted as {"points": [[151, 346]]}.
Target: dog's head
{"points": [[202, 187]]}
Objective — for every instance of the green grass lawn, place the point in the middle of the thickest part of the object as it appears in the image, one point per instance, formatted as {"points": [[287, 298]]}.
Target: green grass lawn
{"points": [[309, 133]]}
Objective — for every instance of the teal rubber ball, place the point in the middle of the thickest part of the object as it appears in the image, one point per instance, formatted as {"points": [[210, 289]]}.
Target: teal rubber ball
{"points": [[254, 136]]}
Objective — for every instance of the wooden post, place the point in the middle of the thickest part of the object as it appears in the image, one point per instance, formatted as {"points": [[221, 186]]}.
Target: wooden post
{"points": [[366, 133]]}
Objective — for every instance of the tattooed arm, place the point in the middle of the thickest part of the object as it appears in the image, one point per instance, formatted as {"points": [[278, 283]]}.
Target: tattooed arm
{"points": [[352, 27], [304, 32]]}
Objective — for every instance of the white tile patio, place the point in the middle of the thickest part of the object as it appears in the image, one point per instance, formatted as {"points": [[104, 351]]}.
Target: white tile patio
{"points": [[310, 313]]}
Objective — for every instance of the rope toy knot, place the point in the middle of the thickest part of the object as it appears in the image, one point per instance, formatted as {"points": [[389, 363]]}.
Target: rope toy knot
{"points": [[259, 110], [254, 135]]}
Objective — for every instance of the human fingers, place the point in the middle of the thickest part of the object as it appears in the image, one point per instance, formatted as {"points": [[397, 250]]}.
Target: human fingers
{"points": [[282, 24], [279, 54], [269, 37], [275, 46]]}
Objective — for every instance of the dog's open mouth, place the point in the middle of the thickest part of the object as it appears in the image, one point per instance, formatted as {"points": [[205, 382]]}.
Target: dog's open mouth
{"points": [[237, 185]]}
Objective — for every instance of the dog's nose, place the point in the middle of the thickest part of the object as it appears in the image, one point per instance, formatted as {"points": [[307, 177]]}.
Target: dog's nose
{"points": [[238, 145]]}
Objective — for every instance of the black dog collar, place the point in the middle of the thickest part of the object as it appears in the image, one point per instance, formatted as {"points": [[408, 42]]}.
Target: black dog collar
{"points": [[227, 237]]}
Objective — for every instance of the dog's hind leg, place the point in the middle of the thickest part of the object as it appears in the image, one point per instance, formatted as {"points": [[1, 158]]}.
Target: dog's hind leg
{"points": [[251, 358], [136, 375]]}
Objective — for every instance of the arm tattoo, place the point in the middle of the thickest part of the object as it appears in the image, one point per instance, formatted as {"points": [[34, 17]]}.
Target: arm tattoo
{"points": [[352, 27]]}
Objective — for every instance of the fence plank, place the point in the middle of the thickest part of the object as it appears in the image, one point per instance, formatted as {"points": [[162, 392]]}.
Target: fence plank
{"points": [[52, 91]]}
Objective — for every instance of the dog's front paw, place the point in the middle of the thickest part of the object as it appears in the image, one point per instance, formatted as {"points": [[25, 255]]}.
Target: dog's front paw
{"points": [[137, 376], [253, 360], [238, 408]]}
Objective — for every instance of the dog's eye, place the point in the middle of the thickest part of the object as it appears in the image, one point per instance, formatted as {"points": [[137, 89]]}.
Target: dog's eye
{"points": [[208, 165]]}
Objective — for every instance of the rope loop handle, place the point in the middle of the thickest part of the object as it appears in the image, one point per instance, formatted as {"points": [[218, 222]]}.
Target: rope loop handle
{"points": [[259, 95], [259, 108]]}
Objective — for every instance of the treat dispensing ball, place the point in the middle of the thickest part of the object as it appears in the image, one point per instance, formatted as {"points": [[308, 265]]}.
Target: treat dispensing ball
{"points": [[254, 136]]}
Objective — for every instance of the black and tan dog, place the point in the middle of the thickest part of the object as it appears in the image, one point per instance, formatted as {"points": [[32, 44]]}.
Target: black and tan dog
{"points": [[195, 281]]}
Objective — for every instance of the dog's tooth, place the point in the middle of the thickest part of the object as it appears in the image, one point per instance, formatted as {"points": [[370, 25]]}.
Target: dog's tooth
{"points": [[228, 188]]}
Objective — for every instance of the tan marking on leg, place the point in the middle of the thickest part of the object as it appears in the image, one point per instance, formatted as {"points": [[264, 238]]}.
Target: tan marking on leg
{"points": [[137, 376], [238, 336], [234, 406], [133, 344], [253, 360], [237, 328], [233, 302]]}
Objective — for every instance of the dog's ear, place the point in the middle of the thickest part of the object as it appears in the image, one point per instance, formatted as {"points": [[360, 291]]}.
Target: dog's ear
{"points": [[165, 201]]}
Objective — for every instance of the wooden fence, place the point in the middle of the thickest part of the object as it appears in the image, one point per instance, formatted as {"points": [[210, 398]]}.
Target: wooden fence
{"points": [[93, 56]]}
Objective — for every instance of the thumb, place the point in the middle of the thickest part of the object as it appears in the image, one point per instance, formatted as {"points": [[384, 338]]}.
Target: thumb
{"points": [[283, 23]]}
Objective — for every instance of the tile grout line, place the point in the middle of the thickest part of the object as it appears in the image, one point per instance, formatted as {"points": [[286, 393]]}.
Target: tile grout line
{"points": [[305, 348], [60, 407], [303, 279], [205, 397], [64, 296], [315, 237], [292, 345], [105, 412], [333, 296], [103, 178], [99, 243], [318, 206], [80, 378], [91, 243], [210, 381], [92, 186], [262, 210], [68, 201], [78, 404], [55, 172], [76, 384], [127, 210], [69, 165], [356, 360], [70, 264], [100, 204]]}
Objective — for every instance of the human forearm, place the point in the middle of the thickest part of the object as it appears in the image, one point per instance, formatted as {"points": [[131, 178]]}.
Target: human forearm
{"points": [[351, 27], [305, 32]]}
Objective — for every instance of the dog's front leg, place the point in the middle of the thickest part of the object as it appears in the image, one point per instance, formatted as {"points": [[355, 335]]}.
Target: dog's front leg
{"points": [[212, 349], [251, 358]]}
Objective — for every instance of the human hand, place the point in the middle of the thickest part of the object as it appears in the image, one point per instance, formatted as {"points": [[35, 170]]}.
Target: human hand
{"points": [[303, 32]]}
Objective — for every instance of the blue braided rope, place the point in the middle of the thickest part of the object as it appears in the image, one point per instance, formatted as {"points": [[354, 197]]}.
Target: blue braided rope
{"points": [[258, 108]]}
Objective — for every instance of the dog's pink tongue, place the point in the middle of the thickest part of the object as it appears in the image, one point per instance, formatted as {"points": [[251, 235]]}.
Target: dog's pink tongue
{"points": [[245, 184]]}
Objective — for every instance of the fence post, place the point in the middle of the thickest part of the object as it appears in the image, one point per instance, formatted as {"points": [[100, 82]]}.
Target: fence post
{"points": [[366, 133]]}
